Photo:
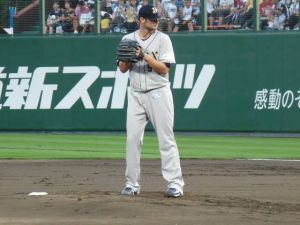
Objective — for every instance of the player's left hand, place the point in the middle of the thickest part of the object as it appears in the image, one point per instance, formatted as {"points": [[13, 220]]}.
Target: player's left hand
{"points": [[129, 51]]}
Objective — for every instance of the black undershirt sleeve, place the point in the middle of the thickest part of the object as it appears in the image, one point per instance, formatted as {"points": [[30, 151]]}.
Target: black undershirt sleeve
{"points": [[168, 65]]}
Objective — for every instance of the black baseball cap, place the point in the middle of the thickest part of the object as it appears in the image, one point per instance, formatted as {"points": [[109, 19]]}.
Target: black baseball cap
{"points": [[148, 12]]}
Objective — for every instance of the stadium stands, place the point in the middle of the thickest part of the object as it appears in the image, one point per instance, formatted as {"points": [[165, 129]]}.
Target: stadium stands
{"points": [[121, 16]]}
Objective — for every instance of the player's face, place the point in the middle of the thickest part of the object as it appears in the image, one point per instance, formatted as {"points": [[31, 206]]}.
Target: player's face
{"points": [[151, 24]]}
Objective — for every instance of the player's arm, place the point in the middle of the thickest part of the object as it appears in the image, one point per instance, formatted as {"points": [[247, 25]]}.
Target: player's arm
{"points": [[157, 66], [165, 58]]}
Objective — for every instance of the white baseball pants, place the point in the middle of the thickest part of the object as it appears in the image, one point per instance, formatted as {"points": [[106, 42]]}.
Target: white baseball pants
{"points": [[156, 106]]}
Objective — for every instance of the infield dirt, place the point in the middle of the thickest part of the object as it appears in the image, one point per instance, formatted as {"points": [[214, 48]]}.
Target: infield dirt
{"points": [[86, 192]]}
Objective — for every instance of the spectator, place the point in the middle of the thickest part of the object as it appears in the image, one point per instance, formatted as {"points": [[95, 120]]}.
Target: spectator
{"points": [[114, 4], [171, 13], [106, 17], [88, 22], [224, 9], [235, 15], [119, 17], [54, 19], [186, 18], [278, 16], [142, 3], [211, 11], [247, 15], [164, 2], [67, 17], [108, 7], [264, 9], [293, 22], [163, 20], [105, 21], [180, 4], [196, 11], [131, 23], [79, 20], [103, 4]]}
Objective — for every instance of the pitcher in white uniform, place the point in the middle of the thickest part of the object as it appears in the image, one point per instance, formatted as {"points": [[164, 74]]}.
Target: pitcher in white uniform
{"points": [[150, 98]]}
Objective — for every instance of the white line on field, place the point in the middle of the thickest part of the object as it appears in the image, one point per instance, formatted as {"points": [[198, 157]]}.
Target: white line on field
{"points": [[281, 160]]}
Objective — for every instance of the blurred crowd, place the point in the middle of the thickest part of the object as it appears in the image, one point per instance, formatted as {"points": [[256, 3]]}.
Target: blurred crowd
{"points": [[273, 14], [175, 15], [279, 14]]}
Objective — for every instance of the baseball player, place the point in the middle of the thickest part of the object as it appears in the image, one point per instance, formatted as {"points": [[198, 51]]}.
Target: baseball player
{"points": [[150, 98]]}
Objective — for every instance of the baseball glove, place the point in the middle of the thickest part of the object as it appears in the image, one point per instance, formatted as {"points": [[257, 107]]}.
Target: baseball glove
{"points": [[126, 51]]}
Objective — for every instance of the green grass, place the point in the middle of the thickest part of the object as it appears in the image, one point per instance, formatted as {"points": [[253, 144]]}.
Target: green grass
{"points": [[98, 146]]}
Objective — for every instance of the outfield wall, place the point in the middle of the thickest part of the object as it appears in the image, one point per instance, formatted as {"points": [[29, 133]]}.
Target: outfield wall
{"points": [[222, 82]]}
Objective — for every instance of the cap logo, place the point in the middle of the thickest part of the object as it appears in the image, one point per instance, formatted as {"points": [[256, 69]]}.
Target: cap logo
{"points": [[154, 10]]}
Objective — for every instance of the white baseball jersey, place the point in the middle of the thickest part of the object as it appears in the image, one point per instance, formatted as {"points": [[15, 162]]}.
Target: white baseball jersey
{"points": [[142, 77]]}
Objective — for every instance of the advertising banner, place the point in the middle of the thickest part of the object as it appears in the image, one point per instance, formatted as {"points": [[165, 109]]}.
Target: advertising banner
{"points": [[220, 82]]}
